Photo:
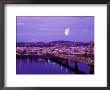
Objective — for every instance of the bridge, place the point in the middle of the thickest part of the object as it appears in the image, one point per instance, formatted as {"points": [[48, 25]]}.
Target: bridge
{"points": [[64, 59]]}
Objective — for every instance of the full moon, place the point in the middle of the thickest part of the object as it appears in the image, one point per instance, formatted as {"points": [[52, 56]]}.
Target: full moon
{"points": [[67, 31]]}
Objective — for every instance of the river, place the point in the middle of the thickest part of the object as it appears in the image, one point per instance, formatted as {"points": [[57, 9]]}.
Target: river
{"points": [[42, 66]]}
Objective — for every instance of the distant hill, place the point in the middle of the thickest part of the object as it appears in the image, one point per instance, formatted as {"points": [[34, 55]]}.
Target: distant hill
{"points": [[42, 44]]}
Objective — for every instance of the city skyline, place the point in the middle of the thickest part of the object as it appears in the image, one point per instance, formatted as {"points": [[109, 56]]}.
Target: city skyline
{"points": [[55, 28]]}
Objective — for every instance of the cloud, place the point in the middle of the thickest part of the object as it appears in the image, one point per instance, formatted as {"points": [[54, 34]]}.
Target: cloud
{"points": [[20, 24]]}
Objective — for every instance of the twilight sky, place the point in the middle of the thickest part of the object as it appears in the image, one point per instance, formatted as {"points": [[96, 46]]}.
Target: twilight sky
{"points": [[52, 28]]}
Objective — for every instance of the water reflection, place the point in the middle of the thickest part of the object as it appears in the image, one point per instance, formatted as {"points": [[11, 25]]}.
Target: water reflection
{"points": [[66, 70], [28, 60], [42, 66]]}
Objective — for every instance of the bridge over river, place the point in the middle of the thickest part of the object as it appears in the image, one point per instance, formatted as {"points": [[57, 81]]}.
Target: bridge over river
{"points": [[64, 59]]}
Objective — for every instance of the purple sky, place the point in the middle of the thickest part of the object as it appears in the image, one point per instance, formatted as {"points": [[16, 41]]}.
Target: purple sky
{"points": [[52, 28]]}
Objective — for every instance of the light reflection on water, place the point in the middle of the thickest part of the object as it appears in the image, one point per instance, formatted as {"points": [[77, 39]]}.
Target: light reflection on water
{"points": [[40, 66]]}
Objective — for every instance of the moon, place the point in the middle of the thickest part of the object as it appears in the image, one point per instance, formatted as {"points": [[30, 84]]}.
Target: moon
{"points": [[67, 31]]}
